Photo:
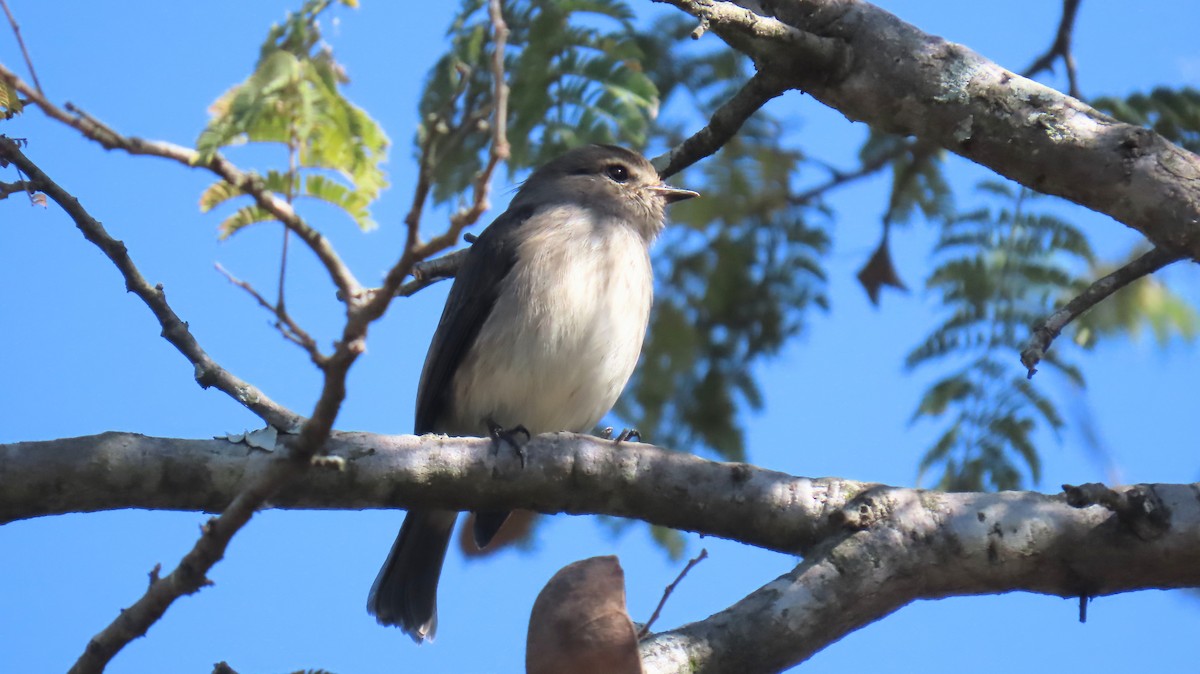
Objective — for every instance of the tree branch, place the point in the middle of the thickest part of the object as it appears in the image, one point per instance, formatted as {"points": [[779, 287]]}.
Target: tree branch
{"points": [[725, 122], [1060, 48], [188, 577], [248, 183], [577, 474], [1044, 332], [16, 29], [645, 631], [417, 252], [174, 330], [498, 151], [976, 543], [838, 178], [868, 547], [907, 82], [427, 272], [764, 38], [284, 322], [22, 186]]}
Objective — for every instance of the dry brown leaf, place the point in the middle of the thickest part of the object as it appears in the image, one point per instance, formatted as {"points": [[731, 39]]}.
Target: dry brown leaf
{"points": [[579, 623]]}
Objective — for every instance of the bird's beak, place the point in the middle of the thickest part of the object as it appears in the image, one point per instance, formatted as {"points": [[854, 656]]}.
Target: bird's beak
{"points": [[672, 194]]}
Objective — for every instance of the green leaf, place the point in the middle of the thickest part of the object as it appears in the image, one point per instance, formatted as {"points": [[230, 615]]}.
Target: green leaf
{"points": [[354, 203], [573, 79], [1001, 268], [939, 452], [10, 100], [247, 215], [670, 539], [217, 194], [293, 100], [941, 395]]}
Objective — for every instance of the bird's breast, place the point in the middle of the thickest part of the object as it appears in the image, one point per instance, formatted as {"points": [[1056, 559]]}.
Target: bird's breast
{"points": [[564, 335]]}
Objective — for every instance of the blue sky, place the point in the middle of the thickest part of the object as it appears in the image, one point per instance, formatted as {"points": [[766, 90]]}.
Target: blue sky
{"points": [[81, 356]]}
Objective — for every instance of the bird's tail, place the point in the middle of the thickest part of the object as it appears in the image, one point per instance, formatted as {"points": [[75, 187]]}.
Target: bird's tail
{"points": [[405, 591]]}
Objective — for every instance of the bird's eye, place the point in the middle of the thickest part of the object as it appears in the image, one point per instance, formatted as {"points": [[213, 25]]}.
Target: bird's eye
{"points": [[617, 172]]}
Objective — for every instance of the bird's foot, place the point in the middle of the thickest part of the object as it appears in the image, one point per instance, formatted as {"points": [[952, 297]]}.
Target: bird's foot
{"points": [[628, 435], [499, 434]]}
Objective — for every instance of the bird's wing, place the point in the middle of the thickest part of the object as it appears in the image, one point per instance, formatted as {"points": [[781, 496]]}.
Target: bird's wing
{"points": [[474, 293]]}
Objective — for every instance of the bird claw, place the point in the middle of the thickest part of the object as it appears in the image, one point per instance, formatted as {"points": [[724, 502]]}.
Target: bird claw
{"points": [[500, 434], [629, 434]]}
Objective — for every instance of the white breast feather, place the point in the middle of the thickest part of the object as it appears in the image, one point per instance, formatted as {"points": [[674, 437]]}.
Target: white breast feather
{"points": [[590, 304]]}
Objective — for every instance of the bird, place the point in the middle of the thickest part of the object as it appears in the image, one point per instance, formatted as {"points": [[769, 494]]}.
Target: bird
{"points": [[541, 331]]}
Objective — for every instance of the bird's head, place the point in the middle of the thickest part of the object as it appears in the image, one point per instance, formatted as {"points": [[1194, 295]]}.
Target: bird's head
{"points": [[608, 179]]}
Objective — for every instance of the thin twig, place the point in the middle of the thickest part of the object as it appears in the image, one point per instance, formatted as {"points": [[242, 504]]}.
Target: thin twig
{"points": [[174, 330], [12, 188], [12, 21], [724, 123], [499, 150], [838, 178], [428, 159], [500, 147], [428, 272], [247, 182], [416, 252], [293, 179], [284, 322], [1060, 48], [671, 588], [1044, 332]]}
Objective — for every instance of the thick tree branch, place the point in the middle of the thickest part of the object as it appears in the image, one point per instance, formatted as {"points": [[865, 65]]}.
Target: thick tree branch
{"points": [[569, 473], [1061, 47], [869, 548], [904, 81], [928, 545]]}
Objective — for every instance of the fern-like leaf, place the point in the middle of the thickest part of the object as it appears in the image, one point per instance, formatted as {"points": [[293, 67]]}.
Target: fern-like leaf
{"points": [[1001, 268]]}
